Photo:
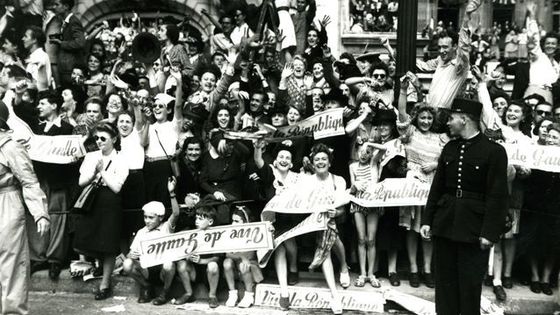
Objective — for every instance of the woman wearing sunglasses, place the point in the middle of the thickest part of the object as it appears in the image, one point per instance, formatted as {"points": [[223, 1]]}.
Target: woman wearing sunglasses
{"points": [[375, 85], [160, 139], [98, 231]]}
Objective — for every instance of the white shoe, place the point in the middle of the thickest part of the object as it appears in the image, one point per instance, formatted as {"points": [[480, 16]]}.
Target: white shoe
{"points": [[345, 279], [248, 300], [232, 298]]}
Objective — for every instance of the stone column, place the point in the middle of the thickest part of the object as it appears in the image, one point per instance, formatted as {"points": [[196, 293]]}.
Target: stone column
{"points": [[427, 9], [406, 36]]}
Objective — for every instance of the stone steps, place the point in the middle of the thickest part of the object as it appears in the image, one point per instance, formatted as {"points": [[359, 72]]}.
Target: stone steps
{"points": [[520, 299]]}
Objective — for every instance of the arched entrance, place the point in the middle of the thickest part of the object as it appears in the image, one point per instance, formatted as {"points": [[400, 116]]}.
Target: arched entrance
{"points": [[91, 11]]}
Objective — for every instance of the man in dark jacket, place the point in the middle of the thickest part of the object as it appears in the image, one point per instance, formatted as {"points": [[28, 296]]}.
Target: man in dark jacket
{"points": [[466, 210], [71, 41]]}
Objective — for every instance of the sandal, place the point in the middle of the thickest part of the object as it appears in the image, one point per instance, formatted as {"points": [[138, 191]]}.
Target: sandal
{"points": [[360, 281], [374, 282]]}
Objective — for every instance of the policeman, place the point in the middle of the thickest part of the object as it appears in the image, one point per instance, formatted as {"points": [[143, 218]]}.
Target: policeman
{"points": [[466, 210]]}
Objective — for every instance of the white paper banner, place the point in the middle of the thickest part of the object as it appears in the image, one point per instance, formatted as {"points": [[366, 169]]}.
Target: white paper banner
{"points": [[310, 297], [546, 158], [56, 149], [220, 239], [393, 192], [325, 124], [313, 223]]}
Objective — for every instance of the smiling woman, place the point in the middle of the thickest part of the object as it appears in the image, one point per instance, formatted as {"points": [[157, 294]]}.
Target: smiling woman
{"points": [[98, 231], [133, 191]]}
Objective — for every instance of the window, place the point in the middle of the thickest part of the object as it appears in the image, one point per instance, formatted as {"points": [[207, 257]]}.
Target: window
{"points": [[373, 15]]}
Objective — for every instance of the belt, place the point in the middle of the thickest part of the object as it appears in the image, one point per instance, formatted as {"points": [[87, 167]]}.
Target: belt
{"points": [[8, 189], [463, 194], [284, 8], [135, 171], [155, 159]]}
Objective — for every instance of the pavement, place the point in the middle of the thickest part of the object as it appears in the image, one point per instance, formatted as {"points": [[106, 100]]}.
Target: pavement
{"points": [[62, 303], [520, 299]]}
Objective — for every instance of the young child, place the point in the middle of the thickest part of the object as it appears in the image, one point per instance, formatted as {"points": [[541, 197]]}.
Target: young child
{"points": [[362, 173], [154, 212], [245, 263], [205, 217]]}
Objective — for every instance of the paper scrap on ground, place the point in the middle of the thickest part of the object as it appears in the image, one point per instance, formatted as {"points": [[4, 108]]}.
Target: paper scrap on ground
{"points": [[114, 309], [420, 306]]}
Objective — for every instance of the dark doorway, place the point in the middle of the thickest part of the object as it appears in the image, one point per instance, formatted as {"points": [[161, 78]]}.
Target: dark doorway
{"points": [[503, 13], [448, 14]]}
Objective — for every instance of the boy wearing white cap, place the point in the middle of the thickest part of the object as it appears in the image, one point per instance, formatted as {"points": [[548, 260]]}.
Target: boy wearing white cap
{"points": [[154, 212]]}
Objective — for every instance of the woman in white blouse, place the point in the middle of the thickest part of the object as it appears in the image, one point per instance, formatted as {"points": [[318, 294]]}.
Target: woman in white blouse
{"points": [[98, 231]]}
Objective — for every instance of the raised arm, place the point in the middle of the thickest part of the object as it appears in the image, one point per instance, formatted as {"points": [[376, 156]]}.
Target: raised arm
{"points": [[212, 19], [355, 123], [178, 110], [489, 118], [171, 184]]}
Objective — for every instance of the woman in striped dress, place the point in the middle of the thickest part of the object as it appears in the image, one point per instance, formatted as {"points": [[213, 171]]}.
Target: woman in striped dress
{"points": [[423, 147]]}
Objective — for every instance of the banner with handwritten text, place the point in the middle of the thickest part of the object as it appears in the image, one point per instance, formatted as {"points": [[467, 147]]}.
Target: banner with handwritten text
{"points": [[312, 297], [546, 158], [325, 124], [56, 149], [393, 192], [220, 239]]}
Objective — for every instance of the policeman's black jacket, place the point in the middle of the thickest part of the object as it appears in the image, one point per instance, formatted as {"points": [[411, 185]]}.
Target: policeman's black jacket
{"points": [[469, 197]]}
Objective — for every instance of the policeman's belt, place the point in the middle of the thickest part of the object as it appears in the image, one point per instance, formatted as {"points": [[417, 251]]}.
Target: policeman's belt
{"points": [[463, 194]]}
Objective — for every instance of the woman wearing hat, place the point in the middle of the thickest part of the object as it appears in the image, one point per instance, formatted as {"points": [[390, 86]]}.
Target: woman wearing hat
{"points": [[377, 84], [99, 230], [390, 236], [423, 147], [161, 142]]}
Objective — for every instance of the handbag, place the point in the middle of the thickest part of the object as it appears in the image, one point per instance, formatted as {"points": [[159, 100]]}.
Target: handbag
{"points": [[86, 198]]}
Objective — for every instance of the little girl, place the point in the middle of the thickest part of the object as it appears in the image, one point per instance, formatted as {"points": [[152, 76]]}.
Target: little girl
{"points": [[362, 173], [245, 264]]}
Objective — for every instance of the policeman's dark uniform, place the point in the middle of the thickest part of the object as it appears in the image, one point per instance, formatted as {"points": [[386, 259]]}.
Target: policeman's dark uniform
{"points": [[468, 199]]}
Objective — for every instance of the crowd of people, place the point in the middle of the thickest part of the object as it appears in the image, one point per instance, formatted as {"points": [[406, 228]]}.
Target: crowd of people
{"points": [[156, 136], [373, 15]]}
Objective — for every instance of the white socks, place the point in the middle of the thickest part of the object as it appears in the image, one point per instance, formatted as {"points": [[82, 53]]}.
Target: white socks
{"points": [[232, 298]]}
